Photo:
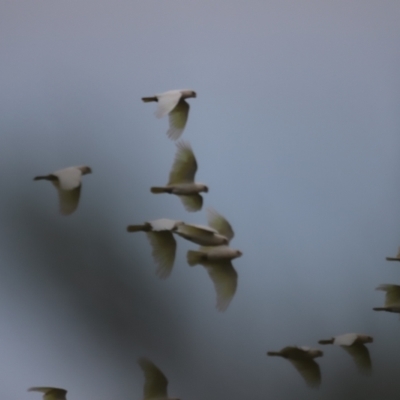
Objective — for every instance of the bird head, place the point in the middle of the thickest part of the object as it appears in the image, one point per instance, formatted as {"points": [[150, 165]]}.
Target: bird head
{"points": [[316, 353], [85, 169], [366, 338]]}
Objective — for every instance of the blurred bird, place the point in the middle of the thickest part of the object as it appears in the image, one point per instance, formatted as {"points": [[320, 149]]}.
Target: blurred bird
{"points": [[173, 103], [219, 231], [159, 234], [155, 385], [302, 358], [68, 184], [181, 179], [392, 298], [397, 258], [50, 393], [354, 344]]}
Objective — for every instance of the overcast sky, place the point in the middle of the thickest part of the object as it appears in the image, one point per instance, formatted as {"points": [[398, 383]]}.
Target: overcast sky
{"points": [[296, 132]]}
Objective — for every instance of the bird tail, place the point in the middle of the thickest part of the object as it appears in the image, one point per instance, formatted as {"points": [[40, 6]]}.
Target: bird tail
{"points": [[326, 341], [46, 177], [149, 99], [194, 257], [379, 309], [274, 353], [158, 189], [137, 228]]}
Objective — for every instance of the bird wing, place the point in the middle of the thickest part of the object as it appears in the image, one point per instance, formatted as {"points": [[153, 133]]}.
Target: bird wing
{"points": [[156, 383], [309, 370], [163, 244], [50, 393], [192, 202], [225, 280], [69, 200], [177, 119], [219, 223], [360, 354], [185, 166], [68, 178], [167, 102]]}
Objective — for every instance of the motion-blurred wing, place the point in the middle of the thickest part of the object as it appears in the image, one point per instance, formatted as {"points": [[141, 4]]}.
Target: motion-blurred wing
{"points": [[192, 203], [185, 165], [69, 200], [167, 102], [225, 280], [219, 223], [177, 119], [309, 370], [392, 294], [155, 385], [360, 354], [163, 244]]}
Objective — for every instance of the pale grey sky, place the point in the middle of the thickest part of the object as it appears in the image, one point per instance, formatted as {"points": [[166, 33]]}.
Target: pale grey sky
{"points": [[296, 132]]}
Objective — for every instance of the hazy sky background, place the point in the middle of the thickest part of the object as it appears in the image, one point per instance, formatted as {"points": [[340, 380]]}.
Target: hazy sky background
{"points": [[296, 132]]}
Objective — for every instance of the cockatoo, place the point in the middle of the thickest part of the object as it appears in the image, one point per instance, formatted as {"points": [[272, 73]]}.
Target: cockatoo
{"points": [[392, 298], [302, 358], [354, 344], [155, 385], [50, 393], [181, 179], [173, 103], [217, 261], [163, 243], [397, 258], [219, 231], [68, 184]]}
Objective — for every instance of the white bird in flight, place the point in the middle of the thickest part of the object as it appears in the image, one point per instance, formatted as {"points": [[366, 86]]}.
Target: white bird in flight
{"points": [[67, 181], [181, 179], [302, 358], [50, 393], [354, 344], [156, 383], [219, 231], [392, 298], [159, 234], [397, 258], [173, 103], [217, 261]]}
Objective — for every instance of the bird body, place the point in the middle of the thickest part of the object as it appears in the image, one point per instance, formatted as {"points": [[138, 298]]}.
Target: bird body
{"points": [[67, 181], [201, 235], [50, 393], [173, 103], [212, 253]]}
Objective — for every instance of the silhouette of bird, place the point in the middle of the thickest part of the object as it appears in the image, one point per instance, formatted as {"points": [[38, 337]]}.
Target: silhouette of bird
{"points": [[173, 103], [302, 358], [392, 298], [155, 385], [67, 181], [50, 393], [181, 179], [354, 344], [159, 234]]}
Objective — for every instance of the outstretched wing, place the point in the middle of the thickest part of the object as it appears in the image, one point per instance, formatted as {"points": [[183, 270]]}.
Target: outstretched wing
{"points": [[177, 119], [360, 354], [163, 244], [155, 385], [219, 223], [68, 200], [185, 166], [192, 202], [167, 102], [309, 370]]}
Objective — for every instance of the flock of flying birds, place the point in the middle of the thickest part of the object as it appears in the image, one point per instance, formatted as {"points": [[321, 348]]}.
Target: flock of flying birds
{"points": [[214, 252]]}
